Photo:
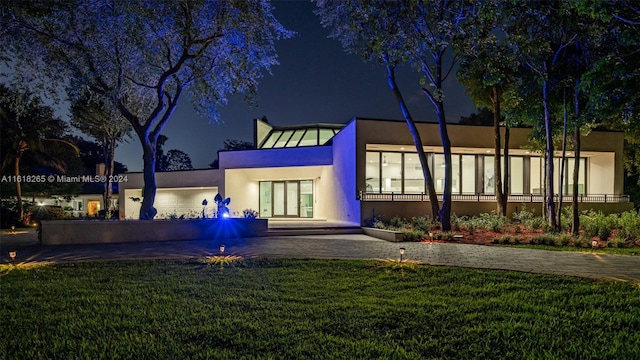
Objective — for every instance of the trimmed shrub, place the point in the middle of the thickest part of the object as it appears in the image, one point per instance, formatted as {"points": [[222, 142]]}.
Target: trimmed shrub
{"points": [[412, 235], [423, 223], [629, 225], [598, 224]]}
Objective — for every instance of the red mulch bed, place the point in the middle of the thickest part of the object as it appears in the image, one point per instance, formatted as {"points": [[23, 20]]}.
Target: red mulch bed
{"points": [[485, 237]]}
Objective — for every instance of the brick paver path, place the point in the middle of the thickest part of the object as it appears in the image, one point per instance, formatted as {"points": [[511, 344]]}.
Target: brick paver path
{"points": [[347, 247]]}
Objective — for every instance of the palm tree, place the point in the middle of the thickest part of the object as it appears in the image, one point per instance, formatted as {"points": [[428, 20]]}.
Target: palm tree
{"points": [[29, 127]]}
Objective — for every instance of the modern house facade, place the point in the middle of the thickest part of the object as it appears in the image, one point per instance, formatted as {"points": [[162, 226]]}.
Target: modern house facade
{"points": [[369, 167]]}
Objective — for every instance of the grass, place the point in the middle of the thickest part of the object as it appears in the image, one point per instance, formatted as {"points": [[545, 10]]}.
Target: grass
{"points": [[297, 309]]}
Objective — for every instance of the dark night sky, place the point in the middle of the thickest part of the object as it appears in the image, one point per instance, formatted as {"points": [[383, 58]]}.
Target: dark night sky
{"points": [[316, 81]]}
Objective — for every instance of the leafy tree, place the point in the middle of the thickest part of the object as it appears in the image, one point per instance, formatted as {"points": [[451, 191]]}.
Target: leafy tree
{"points": [[612, 84], [174, 160], [178, 160], [30, 131], [422, 33], [142, 56], [484, 117], [232, 144], [540, 32], [98, 119], [91, 154], [488, 70]]}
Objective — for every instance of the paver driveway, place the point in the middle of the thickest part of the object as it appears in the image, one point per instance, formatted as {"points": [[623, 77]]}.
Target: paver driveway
{"points": [[346, 247]]}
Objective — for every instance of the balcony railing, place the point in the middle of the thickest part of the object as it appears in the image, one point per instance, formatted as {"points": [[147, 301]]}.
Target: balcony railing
{"points": [[594, 198]]}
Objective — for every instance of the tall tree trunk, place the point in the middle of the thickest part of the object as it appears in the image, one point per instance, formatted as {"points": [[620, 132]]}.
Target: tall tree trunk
{"points": [[575, 226], [417, 141], [497, 170], [16, 172], [109, 155], [147, 211], [564, 157], [549, 149], [507, 168], [445, 211]]}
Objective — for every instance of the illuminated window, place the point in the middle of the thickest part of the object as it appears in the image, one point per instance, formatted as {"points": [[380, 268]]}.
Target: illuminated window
{"points": [[392, 172], [413, 177], [372, 172]]}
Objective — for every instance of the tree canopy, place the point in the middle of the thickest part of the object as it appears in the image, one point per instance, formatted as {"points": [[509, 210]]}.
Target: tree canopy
{"points": [[142, 56]]}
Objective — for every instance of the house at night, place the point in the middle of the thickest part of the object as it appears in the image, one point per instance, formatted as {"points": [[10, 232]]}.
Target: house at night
{"points": [[351, 172]]}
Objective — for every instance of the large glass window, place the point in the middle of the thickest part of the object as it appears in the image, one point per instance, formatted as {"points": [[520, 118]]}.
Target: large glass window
{"points": [[265, 199], [413, 177], [306, 199], [271, 140], [535, 175], [581, 176], [372, 172], [292, 198], [439, 173], [325, 135], [516, 173], [297, 135], [310, 138], [283, 139], [468, 174], [489, 178], [391, 172]]}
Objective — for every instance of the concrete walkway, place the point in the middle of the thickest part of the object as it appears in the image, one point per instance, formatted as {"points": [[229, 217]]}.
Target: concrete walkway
{"points": [[356, 246]]}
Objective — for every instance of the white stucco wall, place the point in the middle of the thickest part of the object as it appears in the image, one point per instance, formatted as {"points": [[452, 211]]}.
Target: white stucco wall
{"points": [[600, 170], [173, 201], [194, 179], [343, 199]]}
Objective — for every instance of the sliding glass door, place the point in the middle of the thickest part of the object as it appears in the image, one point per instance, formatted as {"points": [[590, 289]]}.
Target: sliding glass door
{"points": [[293, 198]]}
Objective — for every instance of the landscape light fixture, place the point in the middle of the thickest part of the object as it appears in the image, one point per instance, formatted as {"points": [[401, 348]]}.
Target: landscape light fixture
{"points": [[402, 250], [594, 244], [221, 249], [13, 229], [12, 255]]}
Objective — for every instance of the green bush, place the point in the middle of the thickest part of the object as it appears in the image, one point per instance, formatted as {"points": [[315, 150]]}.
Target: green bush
{"points": [[413, 235], [544, 239], [397, 222], [598, 224], [445, 235], [523, 215], [490, 222], [423, 223], [629, 225], [508, 240], [39, 213]]}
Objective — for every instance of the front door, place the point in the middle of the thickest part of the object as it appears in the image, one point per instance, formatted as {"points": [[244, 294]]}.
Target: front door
{"points": [[285, 199], [291, 198]]}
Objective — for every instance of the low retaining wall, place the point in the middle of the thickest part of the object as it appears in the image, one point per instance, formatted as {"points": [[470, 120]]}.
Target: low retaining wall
{"points": [[60, 232], [389, 235]]}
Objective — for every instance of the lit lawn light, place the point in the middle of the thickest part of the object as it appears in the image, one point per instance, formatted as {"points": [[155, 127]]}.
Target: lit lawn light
{"points": [[221, 250], [402, 250], [12, 255]]}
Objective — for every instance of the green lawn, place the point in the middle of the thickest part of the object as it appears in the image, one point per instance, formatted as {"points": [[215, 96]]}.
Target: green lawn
{"points": [[293, 309]]}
